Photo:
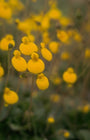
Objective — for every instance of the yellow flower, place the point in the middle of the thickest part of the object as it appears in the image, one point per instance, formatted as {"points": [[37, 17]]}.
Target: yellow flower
{"points": [[63, 36], [65, 56], [46, 37], [45, 23], [87, 26], [70, 33], [70, 76], [1, 71], [66, 134], [46, 53], [51, 120], [23, 26], [16, 5], [5, 11], [35, 65], [19, 62], [8, 39], [38, 18], [53, 46], [57, 80], [64, 21], [86, 109], [54, 13], [55, 98], [27, 48], [77, 36], [31, 38], [42, 82], [26, 26], [87, 53], [10, 96]]}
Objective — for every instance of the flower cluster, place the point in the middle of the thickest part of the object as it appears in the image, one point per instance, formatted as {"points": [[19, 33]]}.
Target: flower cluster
{"points": [[35, 65], [44, 63]]}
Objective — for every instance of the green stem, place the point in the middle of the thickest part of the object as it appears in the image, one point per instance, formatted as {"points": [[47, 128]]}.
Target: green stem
{"points": [[32, 86], [30, 107], [8, 68], [2, 102]]}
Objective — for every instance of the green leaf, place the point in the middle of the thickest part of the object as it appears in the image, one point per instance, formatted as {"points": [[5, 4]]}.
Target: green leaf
{"points": [[15, 127]]}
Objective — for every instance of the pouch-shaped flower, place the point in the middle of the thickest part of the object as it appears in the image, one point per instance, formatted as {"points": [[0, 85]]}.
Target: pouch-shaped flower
{"points": [[46, 53], [35, 64], [70, 76], [4, 44], [53, 46], [10, 96], [42, 82], [18, 62], [27, 47]]}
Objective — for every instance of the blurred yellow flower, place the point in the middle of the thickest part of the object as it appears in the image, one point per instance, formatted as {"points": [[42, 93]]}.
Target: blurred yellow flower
{"points": [[55, 98], [45, 37], [66, 134], [65, 21], [42, 82], [69, 76], [10, 96], [5, 11], [45, 23], [53, 46], [27, 47], [31, 38], [70, 32], [4, 44], [57, 80], [86, 109], [19, 62], [1, 71], [77, 36], [45, 52], [35, 65], [63, 36], [16, 5], [54, 13], [87, 53], [26, 25], [87, 26], [65, 55], [51, 120]]}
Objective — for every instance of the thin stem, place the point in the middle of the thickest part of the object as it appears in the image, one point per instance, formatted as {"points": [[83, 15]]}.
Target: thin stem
{"points": [[82, 73], [18, 85], [32, 86], [30, 107], [8, 68], [1, 105]]}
